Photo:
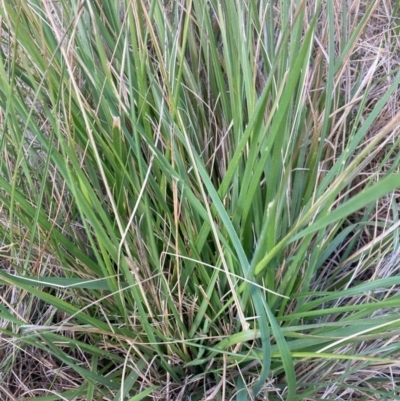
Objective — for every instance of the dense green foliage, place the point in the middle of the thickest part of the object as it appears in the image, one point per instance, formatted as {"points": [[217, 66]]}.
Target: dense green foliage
{"points": [[186, 190]]}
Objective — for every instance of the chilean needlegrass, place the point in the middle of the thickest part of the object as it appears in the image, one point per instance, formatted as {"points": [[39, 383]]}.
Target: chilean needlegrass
{"points": [[199, 200]]}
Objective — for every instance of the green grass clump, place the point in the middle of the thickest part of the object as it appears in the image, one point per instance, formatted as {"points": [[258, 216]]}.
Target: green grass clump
{"points": [[199, 200]]}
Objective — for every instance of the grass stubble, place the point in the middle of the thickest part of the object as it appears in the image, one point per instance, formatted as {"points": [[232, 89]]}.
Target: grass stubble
{"points": [[199, 200]]}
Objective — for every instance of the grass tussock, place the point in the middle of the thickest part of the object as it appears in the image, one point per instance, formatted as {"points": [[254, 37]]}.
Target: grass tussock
{"points": [[199, 200]]}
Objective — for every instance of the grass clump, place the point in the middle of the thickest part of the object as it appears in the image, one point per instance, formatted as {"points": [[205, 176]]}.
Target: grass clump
{"points": [[199, 200]]}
